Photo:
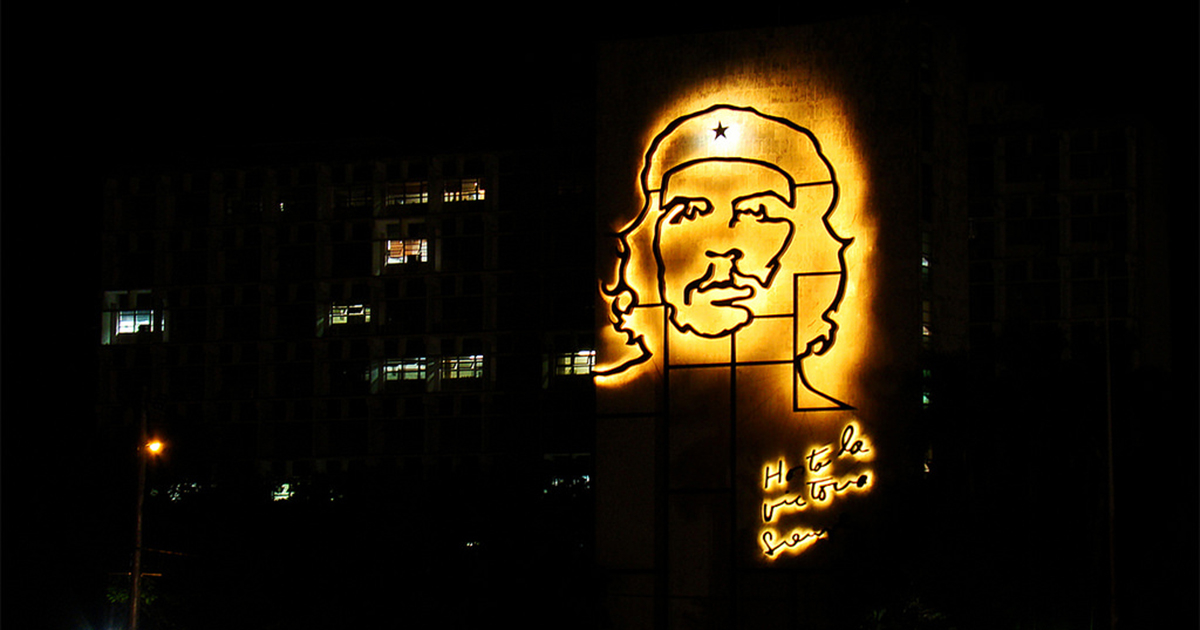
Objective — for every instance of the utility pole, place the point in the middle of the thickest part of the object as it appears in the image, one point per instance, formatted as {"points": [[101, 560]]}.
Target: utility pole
{"points": [[1108, 413], [146, 449], [135, 591]]}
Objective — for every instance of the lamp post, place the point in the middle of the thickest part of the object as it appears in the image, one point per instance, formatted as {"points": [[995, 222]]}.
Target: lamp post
{"points": [[147, 448]]}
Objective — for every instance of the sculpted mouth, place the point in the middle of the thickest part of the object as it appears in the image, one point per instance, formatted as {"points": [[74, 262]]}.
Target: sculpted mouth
{"points": [[715, 291]]}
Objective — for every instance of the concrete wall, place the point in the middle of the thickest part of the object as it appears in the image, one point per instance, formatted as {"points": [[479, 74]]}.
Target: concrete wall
{"points": [[683, 449]]}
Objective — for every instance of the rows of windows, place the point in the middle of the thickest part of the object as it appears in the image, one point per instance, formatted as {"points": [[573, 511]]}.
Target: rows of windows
{"points": [[415, 369], [144, 207], [129, 315], [418, 368], [239, 316], [294, 253], [408, 193]]}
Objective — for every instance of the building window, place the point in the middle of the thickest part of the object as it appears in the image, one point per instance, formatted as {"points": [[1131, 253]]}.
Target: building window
{"points": [[283, 492], [130, 315], [463, 190], [236, 206], [401, 243], [926, 323], [575, 363], [407, 250], [468, 366], [352, 196], [926, 254], [349, 314], [129, 322], [155, 322], [405, 369], [407, 193], [926, 378]]}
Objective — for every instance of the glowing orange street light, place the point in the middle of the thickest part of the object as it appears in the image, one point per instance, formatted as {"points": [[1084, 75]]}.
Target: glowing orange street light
{"points": [[152, 448]]}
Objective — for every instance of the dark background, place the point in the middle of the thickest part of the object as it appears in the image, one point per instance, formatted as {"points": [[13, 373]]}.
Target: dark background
{"points": [[89, 90]]}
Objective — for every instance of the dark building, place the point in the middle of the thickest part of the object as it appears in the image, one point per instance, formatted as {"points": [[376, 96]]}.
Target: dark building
{"points": [[395, 352], [1077, 349], [1066, 230]]}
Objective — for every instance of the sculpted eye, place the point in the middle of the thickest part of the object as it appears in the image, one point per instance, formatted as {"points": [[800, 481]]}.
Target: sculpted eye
{"points": [[755, 210], [688, 210], [768, 207]]}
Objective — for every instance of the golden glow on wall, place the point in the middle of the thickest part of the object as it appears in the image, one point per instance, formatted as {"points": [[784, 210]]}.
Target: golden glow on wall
{"points": [[747, 260]]}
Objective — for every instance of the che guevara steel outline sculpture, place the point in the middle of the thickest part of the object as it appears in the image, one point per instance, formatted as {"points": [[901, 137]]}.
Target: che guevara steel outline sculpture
{"points": [[689, 145]]}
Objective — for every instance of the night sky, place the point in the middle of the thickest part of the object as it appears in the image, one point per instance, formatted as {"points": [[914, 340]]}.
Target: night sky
{"points": [[141, 84], [91, 88]]}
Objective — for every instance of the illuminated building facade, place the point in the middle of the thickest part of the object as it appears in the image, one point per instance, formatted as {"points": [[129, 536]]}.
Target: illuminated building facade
{"points": [[781, 247]]}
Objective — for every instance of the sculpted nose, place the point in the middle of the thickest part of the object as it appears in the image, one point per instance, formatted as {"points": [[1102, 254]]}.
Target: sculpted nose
{"points": [[761, 243], [733, 254], [723, 264]]}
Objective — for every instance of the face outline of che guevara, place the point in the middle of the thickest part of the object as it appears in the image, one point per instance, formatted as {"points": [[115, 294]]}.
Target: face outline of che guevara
{"points": [[735, 227], [723, 228]]}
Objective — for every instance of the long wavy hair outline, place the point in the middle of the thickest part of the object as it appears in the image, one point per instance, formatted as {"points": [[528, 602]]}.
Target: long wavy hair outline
{"points": [[778, 143]]}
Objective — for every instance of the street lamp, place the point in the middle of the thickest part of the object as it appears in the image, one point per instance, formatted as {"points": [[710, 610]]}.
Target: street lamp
{"points": [[147, 448]]}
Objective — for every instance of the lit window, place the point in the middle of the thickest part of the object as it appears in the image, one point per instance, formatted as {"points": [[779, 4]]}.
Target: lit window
{"points": [[464, 190], [404, 369], [407, 193], [349, 314], [128, 313], [926, 376], [407, 250], [470, 366], [400, 244], [129, 322], [572, 363], [926, 319], [283, 492], [559, 484], [926, 249]]}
